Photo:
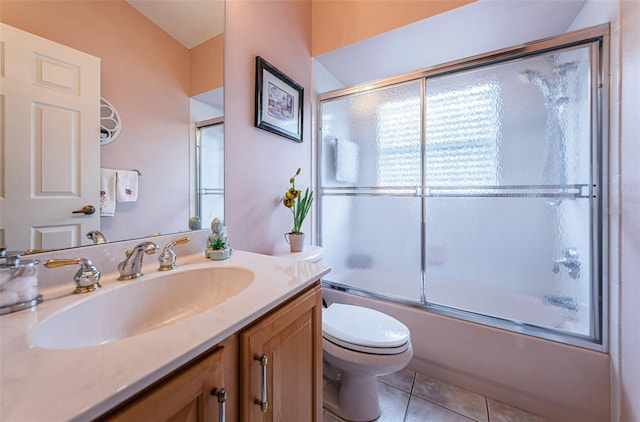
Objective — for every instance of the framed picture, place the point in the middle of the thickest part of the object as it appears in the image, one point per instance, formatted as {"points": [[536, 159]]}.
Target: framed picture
{"points": [[278, 101]]}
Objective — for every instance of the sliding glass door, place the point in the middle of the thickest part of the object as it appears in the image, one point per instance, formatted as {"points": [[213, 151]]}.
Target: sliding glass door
{"points": [[474, 190]]}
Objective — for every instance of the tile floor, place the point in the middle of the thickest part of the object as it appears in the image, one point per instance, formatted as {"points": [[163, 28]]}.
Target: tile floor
{"points": [[407, 396]]}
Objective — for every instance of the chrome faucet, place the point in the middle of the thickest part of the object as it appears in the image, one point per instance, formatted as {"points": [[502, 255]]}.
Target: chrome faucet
{"points": [[87, 278], [97, 237], [570, 260], [131, 267], [167, 258]]}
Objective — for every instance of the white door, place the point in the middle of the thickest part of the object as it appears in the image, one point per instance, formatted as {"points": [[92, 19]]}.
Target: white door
{"points": [[50, 142]]}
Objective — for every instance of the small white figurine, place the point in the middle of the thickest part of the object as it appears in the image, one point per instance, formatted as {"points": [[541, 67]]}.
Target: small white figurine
{"points": [[217, 243]]}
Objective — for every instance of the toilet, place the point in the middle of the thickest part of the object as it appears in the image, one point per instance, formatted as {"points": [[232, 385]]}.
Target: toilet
{"points": [[358, 345]]}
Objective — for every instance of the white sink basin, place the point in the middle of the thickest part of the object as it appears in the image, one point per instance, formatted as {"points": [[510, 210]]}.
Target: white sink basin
{"points": [[142, 305]]}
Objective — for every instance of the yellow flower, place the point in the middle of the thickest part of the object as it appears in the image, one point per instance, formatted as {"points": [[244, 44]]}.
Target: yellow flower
{"points": [[297, 202], [288, 202]]}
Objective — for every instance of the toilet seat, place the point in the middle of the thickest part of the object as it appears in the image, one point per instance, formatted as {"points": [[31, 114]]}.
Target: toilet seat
{"points": [[364, 330]]}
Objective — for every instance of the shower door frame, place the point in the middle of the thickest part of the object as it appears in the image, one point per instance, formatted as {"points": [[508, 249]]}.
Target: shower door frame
{"points": [[200, 191], [596, 38]]}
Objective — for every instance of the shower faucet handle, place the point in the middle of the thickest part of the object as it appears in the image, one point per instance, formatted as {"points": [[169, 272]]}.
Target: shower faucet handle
{"points": [[571, 260]]}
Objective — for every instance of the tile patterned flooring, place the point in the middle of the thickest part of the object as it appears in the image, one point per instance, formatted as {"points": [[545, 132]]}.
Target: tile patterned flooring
{"points": [[407, 396]]}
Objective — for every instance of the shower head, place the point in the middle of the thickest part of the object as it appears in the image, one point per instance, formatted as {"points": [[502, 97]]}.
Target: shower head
{"points": [[535, 77]]}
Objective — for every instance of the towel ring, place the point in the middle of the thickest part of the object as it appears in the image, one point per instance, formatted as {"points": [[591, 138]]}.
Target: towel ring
{"points": [[110, 124]]}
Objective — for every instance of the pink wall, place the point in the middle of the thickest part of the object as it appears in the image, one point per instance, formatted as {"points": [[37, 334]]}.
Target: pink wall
{"points": [[145, 75], [206, 66], [342, 22], [259, 163]]}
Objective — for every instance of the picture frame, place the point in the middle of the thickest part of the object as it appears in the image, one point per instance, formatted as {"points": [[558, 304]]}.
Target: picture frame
{"points": [[279, 102]]}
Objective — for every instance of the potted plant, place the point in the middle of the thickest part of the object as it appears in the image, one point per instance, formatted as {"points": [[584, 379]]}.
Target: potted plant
{"points": [[299, 204], [219, 250]]}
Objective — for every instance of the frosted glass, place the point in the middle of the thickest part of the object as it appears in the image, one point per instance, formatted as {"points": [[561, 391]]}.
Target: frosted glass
{"points": [[212, 157], [373, 243], [503, 257], [499, 186], [211, 174], [524, 122], [372, 139], [212, 207]]}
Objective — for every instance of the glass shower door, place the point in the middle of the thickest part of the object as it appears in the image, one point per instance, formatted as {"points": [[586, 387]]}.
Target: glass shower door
{"points": [[210, 159], [371, 175], [510, 191]]}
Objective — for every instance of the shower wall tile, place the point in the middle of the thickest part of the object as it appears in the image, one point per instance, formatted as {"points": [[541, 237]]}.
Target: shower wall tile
{"points": [[616, 390], [613, 211]]}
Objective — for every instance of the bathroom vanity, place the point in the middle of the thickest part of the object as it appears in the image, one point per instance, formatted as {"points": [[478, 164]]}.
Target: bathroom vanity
{"points": [[215, 362], [287, 343]]}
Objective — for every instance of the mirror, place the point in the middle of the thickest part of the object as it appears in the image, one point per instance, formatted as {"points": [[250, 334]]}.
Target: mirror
{"points": [[161, 69]]}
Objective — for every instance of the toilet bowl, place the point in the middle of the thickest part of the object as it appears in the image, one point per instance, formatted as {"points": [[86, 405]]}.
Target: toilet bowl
{"points": [[358, 345]]}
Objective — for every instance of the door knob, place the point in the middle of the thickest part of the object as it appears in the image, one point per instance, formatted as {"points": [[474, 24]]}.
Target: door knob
{"points": [[87, 209]]}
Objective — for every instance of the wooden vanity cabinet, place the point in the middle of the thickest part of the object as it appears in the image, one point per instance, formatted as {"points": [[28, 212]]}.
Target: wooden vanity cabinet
{"points": [[288, 340], [282, 352], [193, 393]]}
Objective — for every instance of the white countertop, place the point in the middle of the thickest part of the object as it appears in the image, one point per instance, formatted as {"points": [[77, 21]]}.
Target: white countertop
{"points": [[39, 384]]}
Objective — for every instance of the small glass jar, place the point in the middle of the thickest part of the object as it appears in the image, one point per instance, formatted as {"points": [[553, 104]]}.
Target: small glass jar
{"points": [[18, 283]]}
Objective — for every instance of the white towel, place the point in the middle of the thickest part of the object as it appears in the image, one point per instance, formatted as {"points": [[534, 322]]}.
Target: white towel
{"points": [[107, 192], [126, 185], [346, 161]]}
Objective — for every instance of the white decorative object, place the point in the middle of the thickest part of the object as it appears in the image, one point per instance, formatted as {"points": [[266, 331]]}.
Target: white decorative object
{"points": [[217, 243], [110, 123]]}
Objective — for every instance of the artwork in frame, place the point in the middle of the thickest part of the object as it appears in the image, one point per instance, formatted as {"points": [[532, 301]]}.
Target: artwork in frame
{"points": [[278, 101]]}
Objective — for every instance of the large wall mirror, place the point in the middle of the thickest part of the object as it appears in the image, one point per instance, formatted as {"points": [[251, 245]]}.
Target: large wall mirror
{"points": [[160, 65]]}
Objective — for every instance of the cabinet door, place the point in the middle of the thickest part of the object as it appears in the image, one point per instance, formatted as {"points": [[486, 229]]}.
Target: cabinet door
{"points": [[286, 347], [189, 395]]}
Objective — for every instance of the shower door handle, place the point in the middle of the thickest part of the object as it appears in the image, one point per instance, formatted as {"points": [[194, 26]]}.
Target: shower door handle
{"points": [[262, 401]]}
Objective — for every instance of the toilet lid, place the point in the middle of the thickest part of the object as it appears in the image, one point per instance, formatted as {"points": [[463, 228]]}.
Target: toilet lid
{"points": [[359, 326]]}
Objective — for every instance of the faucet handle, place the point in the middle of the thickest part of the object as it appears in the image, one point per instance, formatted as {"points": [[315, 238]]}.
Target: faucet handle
{"points": [[87, 278], [167, 258]]}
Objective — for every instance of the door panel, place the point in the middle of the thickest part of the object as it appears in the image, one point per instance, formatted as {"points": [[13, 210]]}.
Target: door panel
{"points": [[51, 127]]}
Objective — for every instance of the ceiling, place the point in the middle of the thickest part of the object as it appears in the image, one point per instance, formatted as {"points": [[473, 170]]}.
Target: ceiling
{"points": [[190, 22], [476, 28]]}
